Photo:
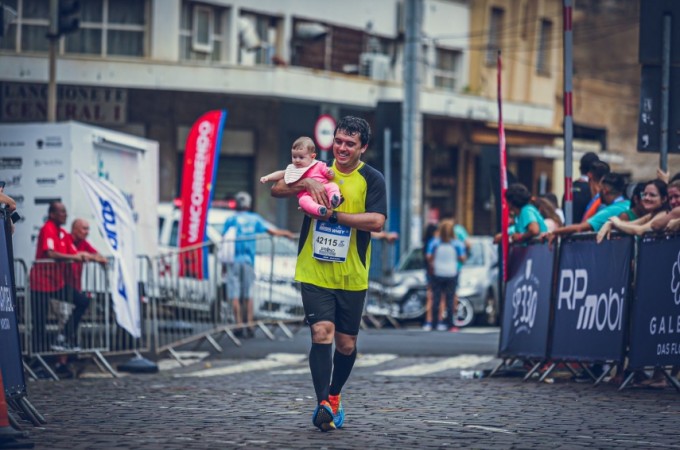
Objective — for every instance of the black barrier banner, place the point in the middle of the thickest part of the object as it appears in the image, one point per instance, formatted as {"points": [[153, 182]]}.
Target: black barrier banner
{"points": [[655, 315], [10, 350], [526, 311], [592, 286]]}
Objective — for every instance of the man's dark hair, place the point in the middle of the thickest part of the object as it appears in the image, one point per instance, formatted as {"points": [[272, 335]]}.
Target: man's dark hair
{"points": [[615, 181], [586, 161], [518, 195], [355, 125], [599, 169], [52, 208], [674, 177]]}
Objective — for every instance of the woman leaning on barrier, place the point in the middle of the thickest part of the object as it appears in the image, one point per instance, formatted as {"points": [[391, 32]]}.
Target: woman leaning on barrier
{"points": [[654, 199], [529, 222], [657, 199]]}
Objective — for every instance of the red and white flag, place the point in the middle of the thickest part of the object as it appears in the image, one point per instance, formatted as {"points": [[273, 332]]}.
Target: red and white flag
{"points": [[198, 174], [505, 211]]}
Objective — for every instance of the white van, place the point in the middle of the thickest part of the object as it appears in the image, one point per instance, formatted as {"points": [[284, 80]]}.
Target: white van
{"points": [[275, 296]]}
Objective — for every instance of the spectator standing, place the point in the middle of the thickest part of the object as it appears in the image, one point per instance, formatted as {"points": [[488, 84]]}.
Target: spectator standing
{"points": [[637, 209], [48, 281], [581, 188], [428, 236], [241, 271], [611, 192], [80, 230], [552, 198], [598, 170], [528, 221], [654, 209], [550, 217], [333, 264], [444, 253]]}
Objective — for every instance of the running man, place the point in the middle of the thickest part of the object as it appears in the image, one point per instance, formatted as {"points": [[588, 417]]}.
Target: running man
{"points": [[334, 254]]}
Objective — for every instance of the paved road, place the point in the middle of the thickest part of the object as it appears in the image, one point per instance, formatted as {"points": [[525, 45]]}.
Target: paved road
{"points": [[392, 402]]}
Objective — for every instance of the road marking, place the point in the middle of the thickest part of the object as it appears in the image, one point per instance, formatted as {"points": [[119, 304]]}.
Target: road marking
{"points": [[363, 360], [457, 362], [479, 330], [271, 361]]}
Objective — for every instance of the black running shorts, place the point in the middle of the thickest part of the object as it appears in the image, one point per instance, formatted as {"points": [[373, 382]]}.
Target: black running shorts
{"points": [[343, 308]]}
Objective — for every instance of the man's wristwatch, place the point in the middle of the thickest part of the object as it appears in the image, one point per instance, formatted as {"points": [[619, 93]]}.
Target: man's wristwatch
{"points": [[333, 218]]}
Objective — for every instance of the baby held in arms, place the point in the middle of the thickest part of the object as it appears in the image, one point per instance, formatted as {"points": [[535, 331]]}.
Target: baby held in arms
{"points": [[305, 165]]}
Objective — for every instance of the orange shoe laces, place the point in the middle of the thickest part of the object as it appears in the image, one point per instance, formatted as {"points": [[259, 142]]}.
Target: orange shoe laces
{"points": [[334, 400]]}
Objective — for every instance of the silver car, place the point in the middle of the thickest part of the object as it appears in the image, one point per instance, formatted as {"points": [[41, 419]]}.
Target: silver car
{"points": [[403, 294]]}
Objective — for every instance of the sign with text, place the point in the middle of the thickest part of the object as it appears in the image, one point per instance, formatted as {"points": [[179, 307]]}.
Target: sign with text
{"points": [[526, 311], [198, 180], [591, 302], [10, 349], [655, 314], [24, 102]]}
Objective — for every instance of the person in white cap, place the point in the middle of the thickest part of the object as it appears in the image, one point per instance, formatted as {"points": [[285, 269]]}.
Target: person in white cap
{"points": [[241, 271]]}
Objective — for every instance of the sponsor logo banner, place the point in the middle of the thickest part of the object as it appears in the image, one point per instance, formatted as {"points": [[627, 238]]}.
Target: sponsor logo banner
{"points": [[115, 222], [10, 356], [200, 165], [655, 314], [526, 312], [592, 291], [10, 163]]}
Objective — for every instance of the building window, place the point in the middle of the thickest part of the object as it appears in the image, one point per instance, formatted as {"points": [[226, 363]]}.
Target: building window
{"points": [[495, 34], [447, 68], [107, 28], [201, 34], [544, 41], [258, 38]]}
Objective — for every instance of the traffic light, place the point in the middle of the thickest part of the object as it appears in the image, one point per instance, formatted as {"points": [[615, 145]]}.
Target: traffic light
{"points": [[69, 16]]}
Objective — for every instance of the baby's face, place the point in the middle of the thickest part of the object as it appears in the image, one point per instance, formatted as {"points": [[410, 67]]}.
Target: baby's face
{"points": [[302, 157]]}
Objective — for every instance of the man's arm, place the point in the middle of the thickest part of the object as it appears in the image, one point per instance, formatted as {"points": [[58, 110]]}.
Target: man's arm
{"points": [[313, 187], [575, 228], [53, 254], [660, 222], [281, 232], [368, 221]]}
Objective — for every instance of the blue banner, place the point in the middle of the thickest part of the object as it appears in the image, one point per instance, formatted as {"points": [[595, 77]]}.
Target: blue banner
{"points": [[526, 311], [10, 350], [655, 315], [591, 302]]}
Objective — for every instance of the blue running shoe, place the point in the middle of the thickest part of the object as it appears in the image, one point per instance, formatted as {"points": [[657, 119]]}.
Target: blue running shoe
{"points": [[323, 417], [338, 410]]}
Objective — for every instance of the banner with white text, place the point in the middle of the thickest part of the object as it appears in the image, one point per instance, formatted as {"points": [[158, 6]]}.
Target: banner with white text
{"points": [[526, 311], [591, 301], [116, 223], [655, 314], [198, 175]]}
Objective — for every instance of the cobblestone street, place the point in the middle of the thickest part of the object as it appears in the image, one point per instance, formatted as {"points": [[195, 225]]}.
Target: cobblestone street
{"points": [[206, 408]]}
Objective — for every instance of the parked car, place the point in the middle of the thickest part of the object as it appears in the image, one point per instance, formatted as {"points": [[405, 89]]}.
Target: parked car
{"points": [[275, 292], [403, 294]]}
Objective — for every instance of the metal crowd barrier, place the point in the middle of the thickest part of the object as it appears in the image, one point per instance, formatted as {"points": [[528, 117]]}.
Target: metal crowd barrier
{"points": [[616, 303], [21, 278]]}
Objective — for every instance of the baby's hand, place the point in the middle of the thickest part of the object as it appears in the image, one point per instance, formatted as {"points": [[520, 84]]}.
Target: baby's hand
{"points": [[330, 174], [264, 179]]}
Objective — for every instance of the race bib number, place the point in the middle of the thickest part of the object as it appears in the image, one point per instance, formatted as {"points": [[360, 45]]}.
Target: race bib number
{"points": [[331, 241]]}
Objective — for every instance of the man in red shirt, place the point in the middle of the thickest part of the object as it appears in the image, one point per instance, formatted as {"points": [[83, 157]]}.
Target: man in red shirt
{"points": [[48, 281], [80, 229]]}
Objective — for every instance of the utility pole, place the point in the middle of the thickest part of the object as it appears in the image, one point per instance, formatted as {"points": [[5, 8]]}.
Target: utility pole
{"points": [[568, 111], [64, 18], [53, 36], [411, 160]]}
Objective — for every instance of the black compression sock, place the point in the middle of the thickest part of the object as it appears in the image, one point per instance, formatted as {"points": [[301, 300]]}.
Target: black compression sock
{"points": [[342, 367], [320, 364]]}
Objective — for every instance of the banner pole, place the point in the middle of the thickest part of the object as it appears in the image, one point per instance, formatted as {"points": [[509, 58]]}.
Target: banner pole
{"points": [[503, 174], [568, 111]]}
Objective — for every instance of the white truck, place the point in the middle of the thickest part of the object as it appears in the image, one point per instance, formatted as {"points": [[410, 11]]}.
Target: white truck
{"points": [[38, 163]]}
